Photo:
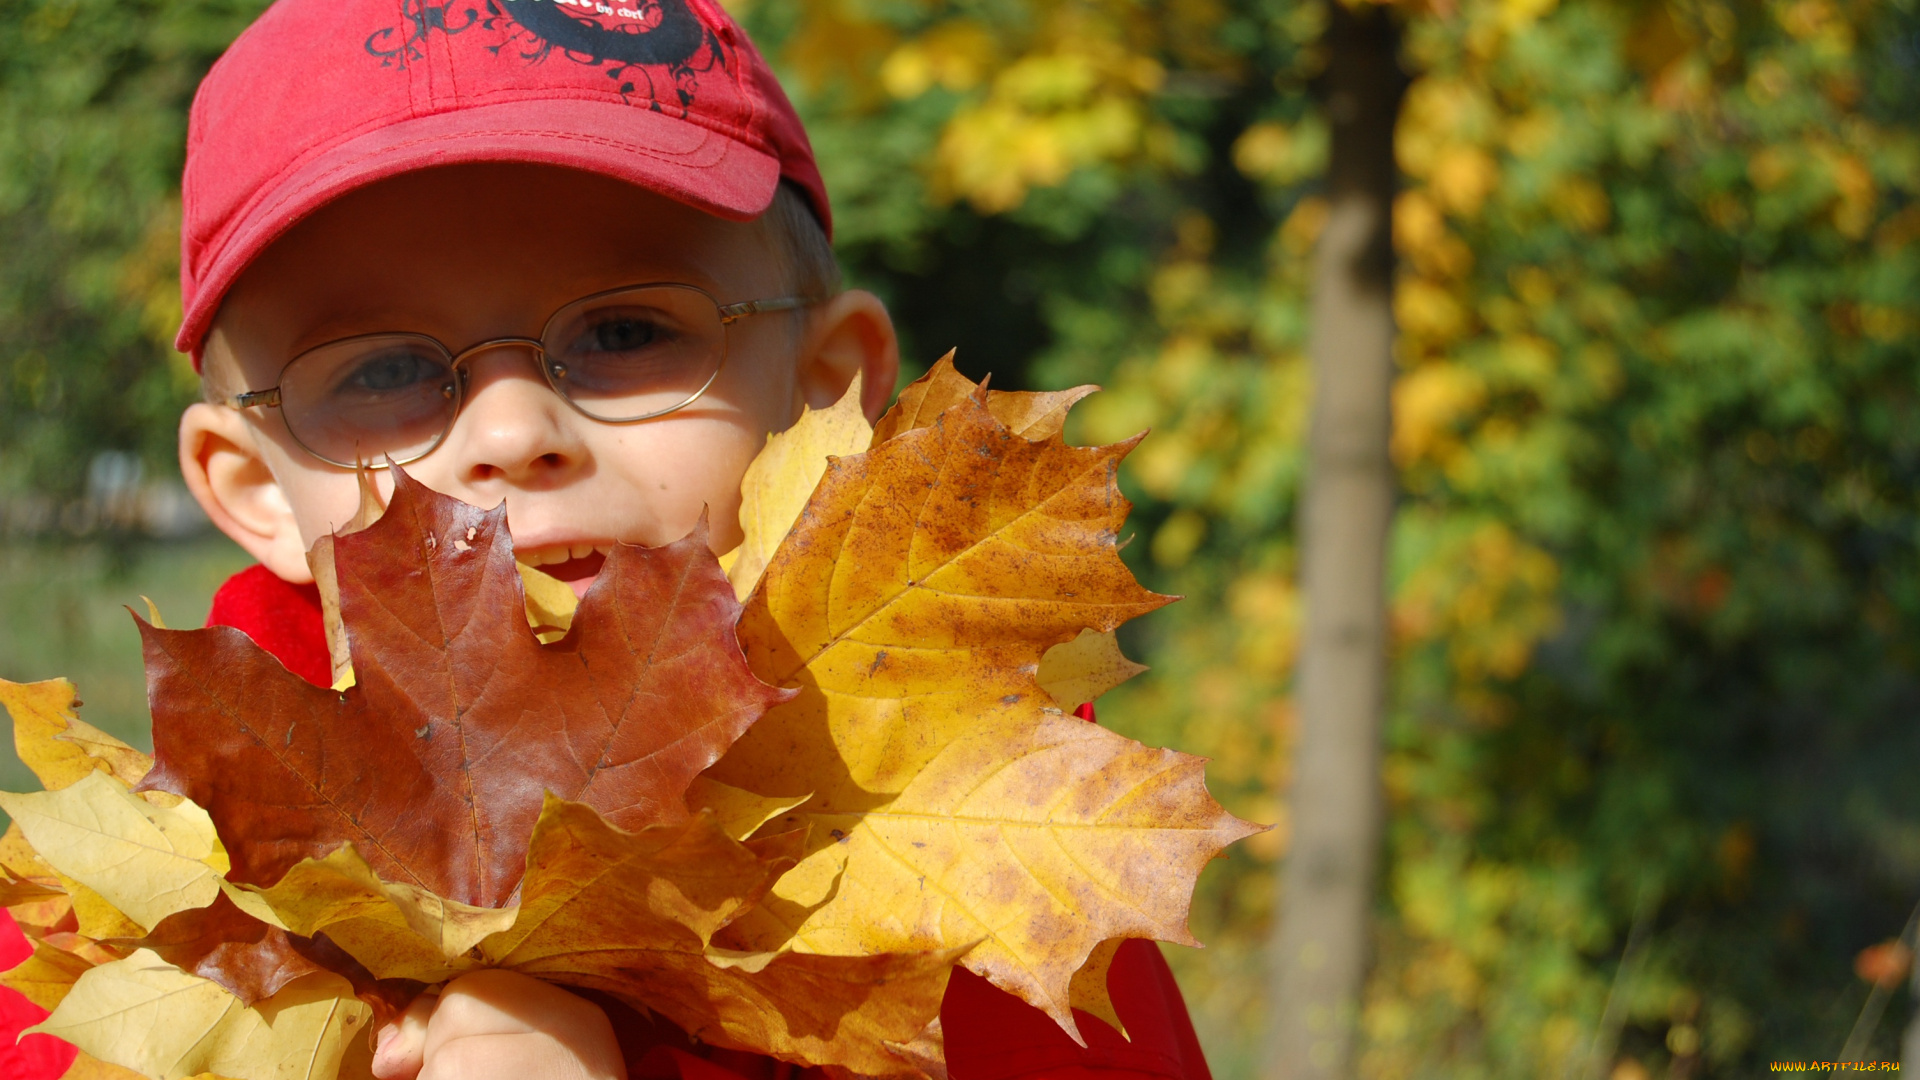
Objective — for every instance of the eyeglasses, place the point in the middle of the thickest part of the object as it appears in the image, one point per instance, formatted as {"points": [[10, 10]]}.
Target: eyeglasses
{"points": [[620, 356]]}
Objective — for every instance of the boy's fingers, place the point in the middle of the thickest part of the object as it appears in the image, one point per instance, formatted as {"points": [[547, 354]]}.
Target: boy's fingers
{"points": [[502, 1010], [402, 1045], [496, 1002]]}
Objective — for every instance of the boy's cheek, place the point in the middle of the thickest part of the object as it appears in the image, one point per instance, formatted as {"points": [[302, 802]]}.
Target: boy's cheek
{"points": [[697, 468], [319, 496], [323, 502]]}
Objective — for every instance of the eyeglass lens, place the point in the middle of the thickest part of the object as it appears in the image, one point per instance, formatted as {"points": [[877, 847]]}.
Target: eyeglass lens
{"points": [[619, 356]]}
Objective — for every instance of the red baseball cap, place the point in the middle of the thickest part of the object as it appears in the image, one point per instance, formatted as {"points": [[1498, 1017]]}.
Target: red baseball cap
{"points": [[320, 97]]}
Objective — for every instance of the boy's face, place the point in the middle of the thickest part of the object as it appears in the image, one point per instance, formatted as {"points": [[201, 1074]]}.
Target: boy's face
{"points": [[473, 253]]}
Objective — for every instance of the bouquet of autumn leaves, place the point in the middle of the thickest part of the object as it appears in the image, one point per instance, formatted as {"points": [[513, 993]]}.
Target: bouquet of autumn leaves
{"points": [[774, 801]]}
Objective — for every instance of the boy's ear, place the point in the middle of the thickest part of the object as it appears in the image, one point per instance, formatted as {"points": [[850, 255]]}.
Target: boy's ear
{"points": [[851, 333], [222, 465]]}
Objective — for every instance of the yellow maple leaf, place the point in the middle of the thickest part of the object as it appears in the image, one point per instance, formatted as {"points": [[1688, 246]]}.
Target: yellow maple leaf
{"points": [[954, 802], [57, 745], [1076, 671], [145, 860], [1088, 990], [739, 812], [1033, 415], [785, 472], [397, 930], [45, 977], [144, 1014], [1040, 841], [550, 603], [1081, 670], [96, 918]]}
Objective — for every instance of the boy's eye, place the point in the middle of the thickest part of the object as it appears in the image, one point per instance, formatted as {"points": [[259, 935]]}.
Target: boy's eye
{"points": [[623, 334], [390, 371], [616, 332]]}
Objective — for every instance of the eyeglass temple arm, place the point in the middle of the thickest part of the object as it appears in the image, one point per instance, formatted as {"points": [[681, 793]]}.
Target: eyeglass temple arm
{"points": [[735, 312], [269, 397]]}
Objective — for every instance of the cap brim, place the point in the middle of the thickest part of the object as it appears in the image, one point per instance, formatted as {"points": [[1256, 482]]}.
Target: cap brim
{"points": [[668, 155]]}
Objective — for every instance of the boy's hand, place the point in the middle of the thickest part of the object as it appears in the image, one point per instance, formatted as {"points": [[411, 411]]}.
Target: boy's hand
{"points": [[499, 1024]]}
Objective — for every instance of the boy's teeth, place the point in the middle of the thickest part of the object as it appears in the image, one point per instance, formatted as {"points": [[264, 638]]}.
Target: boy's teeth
{"points": [[550, 556]]}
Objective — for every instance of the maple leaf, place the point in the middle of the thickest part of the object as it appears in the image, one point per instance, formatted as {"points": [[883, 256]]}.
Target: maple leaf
{"points": [[434, 763], [1034, 415], [938, 599], [1074, 672], [1088, 990], [1081, 670], [633, 913], [87, 1067], [380, 820], [147, 861], [738, 812], [250, 959], [152, 854], [46, 975], [785, 473], [149, 1016], [59, 747], [782, 477], [911, 607], [397, 930]]}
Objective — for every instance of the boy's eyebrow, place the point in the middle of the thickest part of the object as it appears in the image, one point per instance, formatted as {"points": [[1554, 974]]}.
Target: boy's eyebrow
{"points": [[333, 327]]}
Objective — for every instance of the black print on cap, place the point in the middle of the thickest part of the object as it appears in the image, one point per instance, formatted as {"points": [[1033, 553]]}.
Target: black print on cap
{"points": [[630, 39]]}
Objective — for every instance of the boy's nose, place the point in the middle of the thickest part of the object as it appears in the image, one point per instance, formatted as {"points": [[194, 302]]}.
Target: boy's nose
{"points": [[513, 429]]}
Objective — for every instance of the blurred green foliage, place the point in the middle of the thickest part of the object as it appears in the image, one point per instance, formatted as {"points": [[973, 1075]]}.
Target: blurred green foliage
{"points": [[64, 614], [1658, 422], [92, 138]]}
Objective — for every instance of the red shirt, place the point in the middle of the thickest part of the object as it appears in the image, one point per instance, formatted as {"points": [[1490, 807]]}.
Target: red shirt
{"points": [[990, 1034]]}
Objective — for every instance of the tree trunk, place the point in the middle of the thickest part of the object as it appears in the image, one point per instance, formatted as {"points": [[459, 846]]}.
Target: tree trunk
{"points": [[1910, 1042], [1320, 948]]}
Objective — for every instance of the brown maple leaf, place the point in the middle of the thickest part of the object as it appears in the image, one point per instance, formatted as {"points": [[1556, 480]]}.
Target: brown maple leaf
{"points": [[435, 762], [252, 960]]}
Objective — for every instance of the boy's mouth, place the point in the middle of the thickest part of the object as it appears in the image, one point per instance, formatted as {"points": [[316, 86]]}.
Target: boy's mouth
{"points": [[576, 564]]}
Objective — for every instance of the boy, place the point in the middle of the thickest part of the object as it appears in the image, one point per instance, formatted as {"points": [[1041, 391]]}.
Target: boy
{"points": [[563, 254]]}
